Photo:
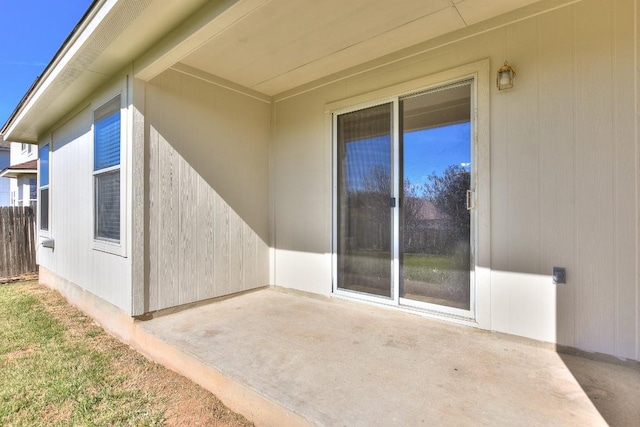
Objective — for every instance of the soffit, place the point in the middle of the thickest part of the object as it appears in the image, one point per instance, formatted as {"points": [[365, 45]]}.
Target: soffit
{"points": [[282, 44]]}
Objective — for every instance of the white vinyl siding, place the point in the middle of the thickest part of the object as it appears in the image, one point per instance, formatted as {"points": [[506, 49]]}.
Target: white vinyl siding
{"points": [[100, 267]]}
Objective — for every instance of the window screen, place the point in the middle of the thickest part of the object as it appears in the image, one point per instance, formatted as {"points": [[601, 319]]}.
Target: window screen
{"points": [[107, 193], [44, 209]]}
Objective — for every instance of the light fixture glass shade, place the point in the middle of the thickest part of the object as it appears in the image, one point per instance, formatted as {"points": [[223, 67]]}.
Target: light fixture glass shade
{"points": [[504, 80]]}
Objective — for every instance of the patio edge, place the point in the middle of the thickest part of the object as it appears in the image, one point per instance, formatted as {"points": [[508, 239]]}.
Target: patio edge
{"points": [[236, 396]]}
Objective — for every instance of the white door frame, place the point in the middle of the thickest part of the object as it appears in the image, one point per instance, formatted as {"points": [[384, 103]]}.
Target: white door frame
{"points": [[478, 73]]}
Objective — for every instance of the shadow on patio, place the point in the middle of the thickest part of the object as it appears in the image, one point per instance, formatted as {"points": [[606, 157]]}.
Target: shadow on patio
{"points": [[289, 359]]}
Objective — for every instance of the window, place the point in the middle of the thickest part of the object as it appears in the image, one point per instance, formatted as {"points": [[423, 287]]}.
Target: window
{"points": [[33, 194], [106, 175], [43, 174]]}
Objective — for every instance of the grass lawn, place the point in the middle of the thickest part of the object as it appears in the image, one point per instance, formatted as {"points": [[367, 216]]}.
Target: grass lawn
{"points": [[59, 368]]}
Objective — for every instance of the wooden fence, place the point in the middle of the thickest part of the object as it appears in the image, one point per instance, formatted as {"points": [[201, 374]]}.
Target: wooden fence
{"points": [[17, 241]]}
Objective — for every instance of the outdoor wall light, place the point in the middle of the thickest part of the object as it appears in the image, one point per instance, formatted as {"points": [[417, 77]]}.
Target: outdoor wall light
{"points": [[504, 80]]}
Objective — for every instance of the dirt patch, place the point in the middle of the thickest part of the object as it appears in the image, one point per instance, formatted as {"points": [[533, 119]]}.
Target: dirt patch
{"points": [[183, 402]]}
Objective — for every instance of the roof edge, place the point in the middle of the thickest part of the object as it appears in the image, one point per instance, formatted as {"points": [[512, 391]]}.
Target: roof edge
{"points": [[71, 38]]}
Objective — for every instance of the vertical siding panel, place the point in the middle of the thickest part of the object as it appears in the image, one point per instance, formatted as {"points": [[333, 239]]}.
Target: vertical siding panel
{"points": [[187, 248], [522, 192], [221, 138], [500, 105], [637, 181], [104, 274], [235, 252], [595, 296], [249, 253], [556, 160], [262, 263], [154, 218], [624, 164], [169, 226], [221, 247], [205, 240], [523, 205]]}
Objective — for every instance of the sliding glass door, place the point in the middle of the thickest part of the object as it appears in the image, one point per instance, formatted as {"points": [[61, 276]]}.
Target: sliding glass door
{"points": [[436, 174], [404, 200]]}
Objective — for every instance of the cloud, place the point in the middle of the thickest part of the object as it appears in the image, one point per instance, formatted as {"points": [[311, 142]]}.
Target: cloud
{"points": [[27, 63]]}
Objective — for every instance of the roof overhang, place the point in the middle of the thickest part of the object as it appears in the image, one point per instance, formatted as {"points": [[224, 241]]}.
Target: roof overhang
{"points": [[269, 46], [109, 37], [16, 171]]}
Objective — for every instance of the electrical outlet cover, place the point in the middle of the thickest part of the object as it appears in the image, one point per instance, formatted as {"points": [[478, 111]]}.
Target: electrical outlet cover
{"points": [[559, 275]]}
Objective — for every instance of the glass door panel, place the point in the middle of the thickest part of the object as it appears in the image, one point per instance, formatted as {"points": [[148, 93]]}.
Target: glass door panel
{"points": [[364, 144], [435, 237]]}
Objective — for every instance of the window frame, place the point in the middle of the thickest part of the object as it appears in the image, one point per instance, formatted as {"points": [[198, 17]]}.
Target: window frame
{"points": [[36, 188], [118, 247], [44, 232]]}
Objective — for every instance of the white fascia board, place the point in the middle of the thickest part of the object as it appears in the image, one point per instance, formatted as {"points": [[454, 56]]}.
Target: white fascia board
{"points": [[71, 48], [15, 173]]}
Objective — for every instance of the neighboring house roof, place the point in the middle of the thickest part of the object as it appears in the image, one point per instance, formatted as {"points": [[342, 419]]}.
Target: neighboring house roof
{"points": [[425, 210], [13, 171]]}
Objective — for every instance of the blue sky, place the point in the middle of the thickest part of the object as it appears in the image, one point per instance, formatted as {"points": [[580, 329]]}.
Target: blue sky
{"points": [[31, 31], [426, 152], [432, 151]]}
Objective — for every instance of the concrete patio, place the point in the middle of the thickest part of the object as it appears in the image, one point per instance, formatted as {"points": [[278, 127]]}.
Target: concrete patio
{"points": [[289, 359]]}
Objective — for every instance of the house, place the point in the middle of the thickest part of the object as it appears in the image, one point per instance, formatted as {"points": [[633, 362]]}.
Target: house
{"points": [[22, 174], [5, 156], [195, 149]]}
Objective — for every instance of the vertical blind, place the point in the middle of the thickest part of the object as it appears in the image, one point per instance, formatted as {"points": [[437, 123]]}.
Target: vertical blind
{"points": [[107, 135]]}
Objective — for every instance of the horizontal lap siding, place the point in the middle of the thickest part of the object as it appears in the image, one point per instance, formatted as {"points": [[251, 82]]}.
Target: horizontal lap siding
{"points": [[208, 191]]}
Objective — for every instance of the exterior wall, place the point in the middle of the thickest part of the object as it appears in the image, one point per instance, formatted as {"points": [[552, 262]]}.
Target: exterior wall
{"points": [[563, 162], [18, 155], [23, 189], [77, 259], [208, 190], [5, 183]]}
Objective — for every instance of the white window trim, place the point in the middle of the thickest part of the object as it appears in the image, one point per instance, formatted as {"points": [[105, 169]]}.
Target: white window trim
{"points": [[115, 248], [480, 72], [44, 233]]}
